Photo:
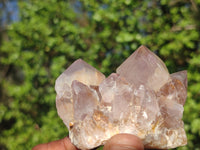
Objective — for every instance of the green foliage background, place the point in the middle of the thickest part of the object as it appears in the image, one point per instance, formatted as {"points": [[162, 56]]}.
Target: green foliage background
{"points": [[51, 34]]}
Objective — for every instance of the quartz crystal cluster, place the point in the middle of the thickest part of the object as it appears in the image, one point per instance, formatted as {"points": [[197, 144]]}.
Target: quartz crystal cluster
{"points": [[141, 98]]}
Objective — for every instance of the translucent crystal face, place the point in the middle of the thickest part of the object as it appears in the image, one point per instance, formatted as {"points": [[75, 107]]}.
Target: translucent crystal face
{"points": [[142, 98], [65, 102], [143, 67]]}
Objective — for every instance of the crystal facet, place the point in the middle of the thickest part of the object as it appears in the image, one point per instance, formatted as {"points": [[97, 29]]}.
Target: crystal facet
{"points": [[83, 96], [142, 98], [143, 67], [82, 72]]}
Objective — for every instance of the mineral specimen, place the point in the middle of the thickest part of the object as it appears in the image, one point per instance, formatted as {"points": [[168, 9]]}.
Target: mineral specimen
{"points": [[142, 98]]}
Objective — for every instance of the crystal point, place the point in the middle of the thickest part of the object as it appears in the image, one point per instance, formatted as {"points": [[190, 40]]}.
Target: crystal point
{"points": [[143, 67], [85, 100], [142, 98], [182, 76], [80, 71]]}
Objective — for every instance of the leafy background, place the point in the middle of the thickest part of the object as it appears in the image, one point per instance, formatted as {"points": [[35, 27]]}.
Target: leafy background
{"points": [[49, 35]]}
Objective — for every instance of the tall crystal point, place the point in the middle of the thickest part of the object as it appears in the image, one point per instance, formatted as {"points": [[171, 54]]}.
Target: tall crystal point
{"points": [[143, 67], [141, 98], [82, 72]]}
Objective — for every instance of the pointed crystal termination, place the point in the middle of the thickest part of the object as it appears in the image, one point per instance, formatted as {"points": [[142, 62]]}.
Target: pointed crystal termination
{"points": [[182, 76], [82, 72], [176, 89], [118, 94], [83, 96], [180, 82], [143, 67], [142, 98]]}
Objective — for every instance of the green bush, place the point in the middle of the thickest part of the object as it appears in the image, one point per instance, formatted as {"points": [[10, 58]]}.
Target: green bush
{"points": [[52, 34]]}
